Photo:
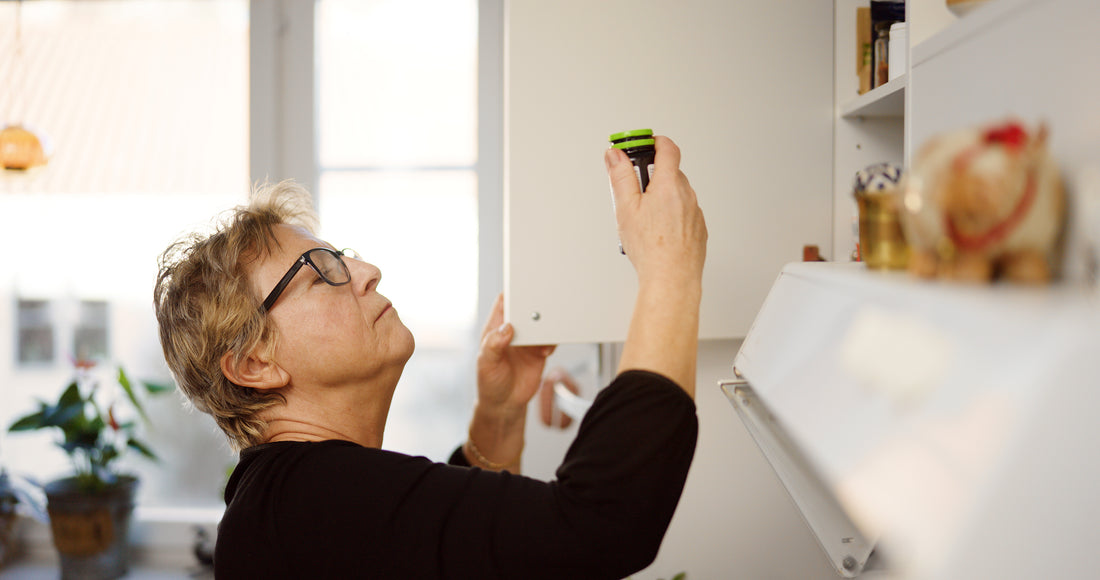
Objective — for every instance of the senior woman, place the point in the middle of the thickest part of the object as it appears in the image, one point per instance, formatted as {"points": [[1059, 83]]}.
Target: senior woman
{"points": [[287, 343]]}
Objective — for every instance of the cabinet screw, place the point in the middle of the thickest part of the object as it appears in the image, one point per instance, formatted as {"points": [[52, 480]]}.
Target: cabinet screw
{"points": [[849, 563], [535, 316]]}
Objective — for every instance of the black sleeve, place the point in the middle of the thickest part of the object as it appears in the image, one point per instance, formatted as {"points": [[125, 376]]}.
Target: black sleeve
{"points": [[459, 458], [604, 516]]}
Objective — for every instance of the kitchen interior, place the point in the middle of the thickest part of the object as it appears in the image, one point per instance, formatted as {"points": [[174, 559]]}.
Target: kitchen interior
{"points": [[881, 394]]}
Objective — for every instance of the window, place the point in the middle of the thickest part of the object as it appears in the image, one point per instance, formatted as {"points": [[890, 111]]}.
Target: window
{"points": [[90, 336], [39, 329], [35, 336], [397, 106], [146, 102]]}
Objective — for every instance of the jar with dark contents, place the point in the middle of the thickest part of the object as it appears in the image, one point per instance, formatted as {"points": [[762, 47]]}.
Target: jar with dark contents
{"points": [[638, 146]]}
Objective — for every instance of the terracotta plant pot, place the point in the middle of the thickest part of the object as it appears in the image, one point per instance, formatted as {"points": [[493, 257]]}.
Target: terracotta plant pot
{"points": [[91, 530]]}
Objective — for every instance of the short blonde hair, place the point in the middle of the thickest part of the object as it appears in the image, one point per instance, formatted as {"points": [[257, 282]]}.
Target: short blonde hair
{"points": [[206, 307]]}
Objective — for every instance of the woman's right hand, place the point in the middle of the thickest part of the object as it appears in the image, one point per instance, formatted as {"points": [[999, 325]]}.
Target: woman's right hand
{"points": [[662, 230], [664, 235]]}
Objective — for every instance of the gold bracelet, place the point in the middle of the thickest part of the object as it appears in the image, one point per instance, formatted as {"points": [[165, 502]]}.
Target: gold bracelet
{"points": [[484, 461]]}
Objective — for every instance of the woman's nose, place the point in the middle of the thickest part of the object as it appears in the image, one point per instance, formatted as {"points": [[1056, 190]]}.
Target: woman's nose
{"points": [[364, 275]]}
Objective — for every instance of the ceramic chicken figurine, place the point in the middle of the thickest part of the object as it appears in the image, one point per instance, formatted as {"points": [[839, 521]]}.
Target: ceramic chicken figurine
{"points": [[983, 203]]}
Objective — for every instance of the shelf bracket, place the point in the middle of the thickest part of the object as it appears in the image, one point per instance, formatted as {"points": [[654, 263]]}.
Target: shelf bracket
{"points": [[844, 544]]}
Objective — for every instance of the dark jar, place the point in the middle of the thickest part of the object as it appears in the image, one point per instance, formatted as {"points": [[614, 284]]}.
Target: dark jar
{"points": [[638, 146]]}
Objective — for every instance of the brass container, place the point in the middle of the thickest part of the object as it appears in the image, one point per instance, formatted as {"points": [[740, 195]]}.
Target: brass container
{"points": [[881, 241]]}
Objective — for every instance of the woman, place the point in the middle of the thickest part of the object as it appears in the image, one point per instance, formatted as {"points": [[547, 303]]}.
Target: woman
{"points": [[287, 343]]}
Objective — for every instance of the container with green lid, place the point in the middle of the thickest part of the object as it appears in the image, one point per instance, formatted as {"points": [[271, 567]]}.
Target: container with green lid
{"points": [[638, 146]]}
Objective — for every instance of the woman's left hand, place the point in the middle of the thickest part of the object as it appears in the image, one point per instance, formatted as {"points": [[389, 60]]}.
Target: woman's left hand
{"points": [[507, 376]]}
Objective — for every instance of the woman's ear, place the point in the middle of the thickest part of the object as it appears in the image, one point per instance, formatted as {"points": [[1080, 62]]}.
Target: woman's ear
{"points": [[254, 371]]}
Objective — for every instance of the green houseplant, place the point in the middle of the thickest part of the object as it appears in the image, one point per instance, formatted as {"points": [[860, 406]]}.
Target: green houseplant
{"points": [[90, 511]]}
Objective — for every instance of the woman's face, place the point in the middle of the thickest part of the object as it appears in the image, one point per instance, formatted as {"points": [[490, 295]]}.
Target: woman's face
{"points": [[330, 336]]}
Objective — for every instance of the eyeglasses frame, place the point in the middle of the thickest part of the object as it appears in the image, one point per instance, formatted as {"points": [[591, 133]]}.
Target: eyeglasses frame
{"points": [[305, 259]]}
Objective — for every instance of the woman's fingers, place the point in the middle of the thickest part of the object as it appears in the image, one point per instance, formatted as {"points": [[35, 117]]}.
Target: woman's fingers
{"points": [[668, 155], [496, 317], [624, 183], [550, 416]]}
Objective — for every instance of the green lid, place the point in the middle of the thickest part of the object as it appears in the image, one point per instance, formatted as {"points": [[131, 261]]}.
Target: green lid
{"points": [[634, 143], [634, 133]]}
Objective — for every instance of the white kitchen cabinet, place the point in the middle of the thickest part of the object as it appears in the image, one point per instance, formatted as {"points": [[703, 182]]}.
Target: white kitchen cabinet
{"points": [[953, 423], [744, 88]]}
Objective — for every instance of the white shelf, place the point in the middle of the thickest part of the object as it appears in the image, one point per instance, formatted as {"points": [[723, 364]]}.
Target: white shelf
{"points": [[887, 100], [913, 399]]}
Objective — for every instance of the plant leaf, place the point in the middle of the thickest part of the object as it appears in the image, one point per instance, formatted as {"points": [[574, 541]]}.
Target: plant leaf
{"points": [[85, 440], [30, 422], [142, 449], [64, 415], [129, 388], [157, 388], [71, 396], [68, 407], [81, 432], [98, 425]]}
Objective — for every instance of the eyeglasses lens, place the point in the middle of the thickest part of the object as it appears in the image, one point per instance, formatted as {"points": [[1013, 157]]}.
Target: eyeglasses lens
{"points": [[329, 266]]}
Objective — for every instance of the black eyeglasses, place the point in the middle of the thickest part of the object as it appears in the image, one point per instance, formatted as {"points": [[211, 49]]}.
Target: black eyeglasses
{"points": [[329, 265]]}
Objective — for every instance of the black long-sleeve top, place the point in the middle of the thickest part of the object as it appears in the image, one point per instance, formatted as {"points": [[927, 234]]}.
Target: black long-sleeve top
{"points": [[335, 509]]}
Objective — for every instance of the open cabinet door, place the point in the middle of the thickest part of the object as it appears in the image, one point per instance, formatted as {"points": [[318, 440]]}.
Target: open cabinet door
{"points": [[744, 88]]}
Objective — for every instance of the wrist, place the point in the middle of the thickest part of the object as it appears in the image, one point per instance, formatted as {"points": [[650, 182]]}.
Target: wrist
{"points": [[476, 459], [496, 437], [685, 293], [678, 272], [499, 415]]}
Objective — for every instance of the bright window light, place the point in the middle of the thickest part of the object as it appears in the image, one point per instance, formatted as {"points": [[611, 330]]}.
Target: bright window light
{"points": [[397, 106]]}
